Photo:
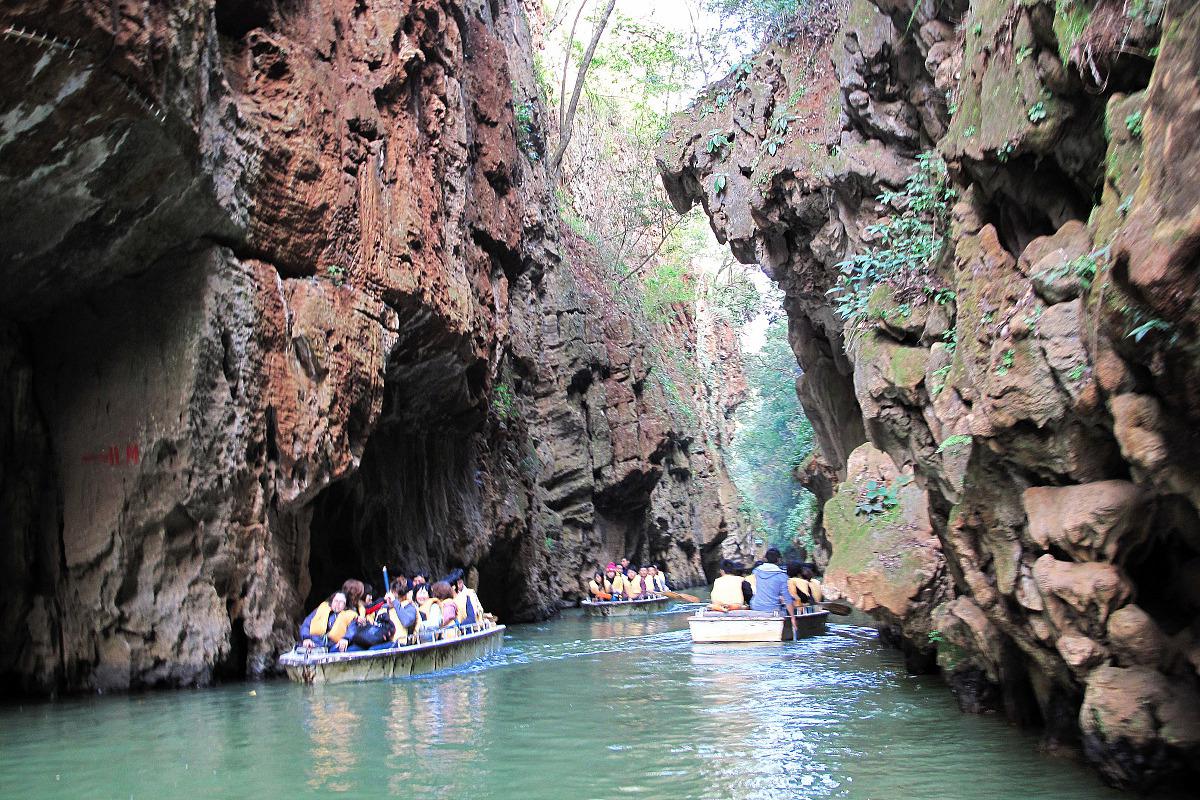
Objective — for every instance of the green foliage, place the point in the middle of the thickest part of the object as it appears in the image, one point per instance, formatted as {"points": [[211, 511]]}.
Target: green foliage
{"points": [[1071, 18], [720, 181], [503, 401], [1151, 325], [936, 637], [910, 243], [756, 20], [1077, 372], [1083, 267], [940, 375], [1005, 151], [336, 274], [737, 298], [1037, 112], [526, 139], [773, 437], [1007, 359], [876, 498], [1023, 53], [717, 145], [1133, 123], [954, 442], [668, 284]]}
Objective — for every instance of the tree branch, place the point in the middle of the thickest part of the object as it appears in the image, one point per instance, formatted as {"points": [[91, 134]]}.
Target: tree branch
{"points": [[568, 118]]}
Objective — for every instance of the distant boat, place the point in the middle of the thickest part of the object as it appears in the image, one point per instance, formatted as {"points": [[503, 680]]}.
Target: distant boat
{"points": [[622, 608], [368, 665], [751, 626]]}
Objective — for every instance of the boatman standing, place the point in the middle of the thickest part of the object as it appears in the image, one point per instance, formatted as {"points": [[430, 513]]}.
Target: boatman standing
{"points": [[770, 587]]}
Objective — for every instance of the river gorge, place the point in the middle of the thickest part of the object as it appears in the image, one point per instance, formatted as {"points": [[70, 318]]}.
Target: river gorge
{"points": [[293, 289]]}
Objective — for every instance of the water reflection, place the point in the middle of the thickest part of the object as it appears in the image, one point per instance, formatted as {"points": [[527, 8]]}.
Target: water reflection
{"points": [[334, 735]]}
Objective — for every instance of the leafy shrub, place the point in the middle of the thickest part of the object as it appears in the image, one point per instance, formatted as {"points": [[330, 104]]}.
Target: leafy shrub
{"points": [[954, 442], [877, 497], [909, 244], [503, 401]]}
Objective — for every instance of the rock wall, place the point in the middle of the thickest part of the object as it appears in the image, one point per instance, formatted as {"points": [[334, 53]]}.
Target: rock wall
{"points": [[285, 301], [1018, 407]]}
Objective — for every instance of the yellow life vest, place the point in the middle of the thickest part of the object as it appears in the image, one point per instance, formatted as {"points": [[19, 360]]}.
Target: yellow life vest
{"points": [[727, 590], [402, 633], [798, 587], [320, 623], [814, 587], [432, 611], [753, 581], [618, 584]]}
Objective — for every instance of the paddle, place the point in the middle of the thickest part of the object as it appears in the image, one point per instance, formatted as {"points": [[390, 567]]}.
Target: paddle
{"points": [[687, 598], [840, 609]]}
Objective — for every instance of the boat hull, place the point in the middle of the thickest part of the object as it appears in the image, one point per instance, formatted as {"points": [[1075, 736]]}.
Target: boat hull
{"points": [[735, 627], [623, 608], [371, 665]]}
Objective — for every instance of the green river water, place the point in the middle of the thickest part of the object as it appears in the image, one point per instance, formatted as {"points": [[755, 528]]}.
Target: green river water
{"points": [[574, 708]]}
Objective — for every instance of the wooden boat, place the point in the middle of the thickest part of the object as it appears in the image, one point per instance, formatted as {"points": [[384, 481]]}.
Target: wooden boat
{"points": [[751, 626], [623, 608], [368, 665]]}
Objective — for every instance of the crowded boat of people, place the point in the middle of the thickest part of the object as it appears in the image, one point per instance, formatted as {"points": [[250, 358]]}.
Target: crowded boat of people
{"points": [[735, 586], [411, 611], [618, 583]]}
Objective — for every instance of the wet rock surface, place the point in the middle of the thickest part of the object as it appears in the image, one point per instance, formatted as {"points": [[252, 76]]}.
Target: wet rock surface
{"points": [[286, 302], [1031, 380]]}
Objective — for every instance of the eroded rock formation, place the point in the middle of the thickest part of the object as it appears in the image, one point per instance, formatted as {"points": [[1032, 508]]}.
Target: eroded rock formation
{"points": [[284, 301], [1034, 378]]}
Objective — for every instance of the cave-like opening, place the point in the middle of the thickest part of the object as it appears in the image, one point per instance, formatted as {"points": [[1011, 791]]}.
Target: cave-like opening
{"points": [[413, 505], [1165, 568]]}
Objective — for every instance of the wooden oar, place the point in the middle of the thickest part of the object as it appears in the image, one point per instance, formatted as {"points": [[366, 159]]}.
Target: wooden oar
{"points": [[837, 608], [687, 598]]}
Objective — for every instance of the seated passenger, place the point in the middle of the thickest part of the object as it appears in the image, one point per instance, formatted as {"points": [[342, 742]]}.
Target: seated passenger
{"points": [[633, 588], [354, 591], [727, 589], [443, 595], [659, 578], [797, 585], [402, 610], [646, 582], [470, 610], [616, 582], [770, 587], [328, 624], [814, 585], [599, 589]]}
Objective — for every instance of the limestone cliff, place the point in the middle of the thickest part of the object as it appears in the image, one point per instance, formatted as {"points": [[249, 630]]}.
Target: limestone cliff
{"points": [[1009, 416], [285, 299]]}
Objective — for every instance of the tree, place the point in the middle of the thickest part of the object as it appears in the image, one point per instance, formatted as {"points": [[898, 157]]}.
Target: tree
{"points": [[566, 112]]}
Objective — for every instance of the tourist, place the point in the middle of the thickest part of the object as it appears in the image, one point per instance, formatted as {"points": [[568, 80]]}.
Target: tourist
{"points": [[616, 582], [439, 611], [625, 566], [726, 592], [797, 585], [354, 591], [327, 624], [645, 582], [749, 579], [598, 588], [659, 579], [771, 587], [418, 581], [470, 610], [632, 589], [403, 610], [814, 585]]}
